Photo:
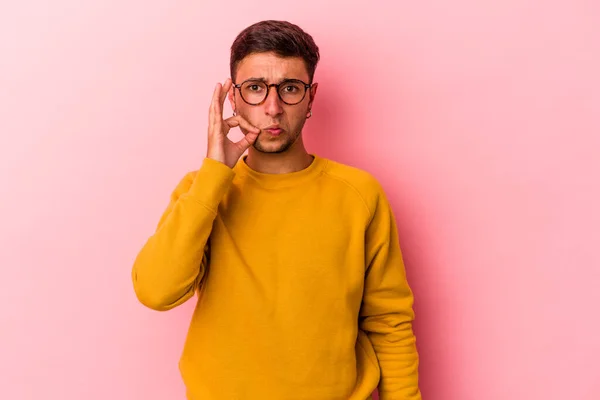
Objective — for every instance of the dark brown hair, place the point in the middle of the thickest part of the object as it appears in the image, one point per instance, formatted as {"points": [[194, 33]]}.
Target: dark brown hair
{"points": [[281, 37]]}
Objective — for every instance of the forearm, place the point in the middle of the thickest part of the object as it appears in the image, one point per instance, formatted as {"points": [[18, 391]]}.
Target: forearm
{"points": [[167, 268], [398, 360], [172, 261]]}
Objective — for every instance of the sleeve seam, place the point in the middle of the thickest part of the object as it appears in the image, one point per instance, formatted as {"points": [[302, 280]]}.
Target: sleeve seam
{"points": [[371, 214]]}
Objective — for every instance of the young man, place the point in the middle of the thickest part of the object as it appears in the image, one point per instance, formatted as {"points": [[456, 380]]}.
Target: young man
{"points": [[302, 292]]}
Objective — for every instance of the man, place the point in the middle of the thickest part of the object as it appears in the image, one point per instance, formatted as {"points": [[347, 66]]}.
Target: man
{"points": [[301, 286]]}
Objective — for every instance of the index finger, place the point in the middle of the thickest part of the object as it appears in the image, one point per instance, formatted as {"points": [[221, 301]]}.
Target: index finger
{"points": [[242, 122]]}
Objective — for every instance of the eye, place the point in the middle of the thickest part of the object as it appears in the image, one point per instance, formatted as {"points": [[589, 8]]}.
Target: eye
{"points": [[253, 87], [290, 88]]}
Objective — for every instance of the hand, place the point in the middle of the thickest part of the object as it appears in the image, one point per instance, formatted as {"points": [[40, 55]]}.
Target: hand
{"points": [[220, 147]]}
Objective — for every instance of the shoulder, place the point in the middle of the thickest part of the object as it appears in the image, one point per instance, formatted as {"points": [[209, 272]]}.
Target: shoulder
{"points": [[362, 182]]}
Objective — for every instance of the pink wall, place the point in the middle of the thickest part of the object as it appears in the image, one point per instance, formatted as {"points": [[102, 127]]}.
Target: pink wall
{"points": [[481, 119]]}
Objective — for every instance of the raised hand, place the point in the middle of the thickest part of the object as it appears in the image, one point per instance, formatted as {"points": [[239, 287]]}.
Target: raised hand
{"points": [[220, 147]]}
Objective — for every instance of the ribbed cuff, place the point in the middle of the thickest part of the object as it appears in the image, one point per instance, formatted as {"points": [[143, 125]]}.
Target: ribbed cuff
{"points": [[211, 183]]}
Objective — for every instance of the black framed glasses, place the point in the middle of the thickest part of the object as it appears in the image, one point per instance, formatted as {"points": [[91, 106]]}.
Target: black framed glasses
{"points": [[290, 91]]}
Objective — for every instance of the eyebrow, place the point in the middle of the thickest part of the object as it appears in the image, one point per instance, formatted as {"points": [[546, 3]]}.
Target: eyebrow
{"points": [[265, 80]]}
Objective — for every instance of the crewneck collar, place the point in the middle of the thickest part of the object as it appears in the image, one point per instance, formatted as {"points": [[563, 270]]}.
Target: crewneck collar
{"points": [[275, 181]]}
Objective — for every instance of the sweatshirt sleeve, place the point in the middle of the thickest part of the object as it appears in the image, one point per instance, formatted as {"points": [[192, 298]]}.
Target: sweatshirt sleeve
{"points": [[172, 262], [387, 313]]}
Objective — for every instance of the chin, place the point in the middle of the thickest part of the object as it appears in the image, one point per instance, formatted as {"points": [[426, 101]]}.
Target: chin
{"points": [[272, 147]]}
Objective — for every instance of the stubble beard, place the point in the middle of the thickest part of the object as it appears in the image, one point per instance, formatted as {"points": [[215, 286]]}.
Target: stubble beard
{"points": [[283, 142]]}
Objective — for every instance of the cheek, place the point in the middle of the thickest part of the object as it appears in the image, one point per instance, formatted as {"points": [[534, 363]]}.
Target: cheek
{"points": [[299, 115], [250, 114], [251, 111]]}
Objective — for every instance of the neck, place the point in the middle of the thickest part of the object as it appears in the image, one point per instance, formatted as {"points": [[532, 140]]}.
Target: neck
{"points": [[296, 158]]}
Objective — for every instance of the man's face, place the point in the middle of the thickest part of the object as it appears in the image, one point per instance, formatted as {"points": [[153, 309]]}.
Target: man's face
{"points": [[273, 111]]}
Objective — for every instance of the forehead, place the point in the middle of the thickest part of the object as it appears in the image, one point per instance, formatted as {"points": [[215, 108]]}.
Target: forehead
{"points": [[271, 67]]}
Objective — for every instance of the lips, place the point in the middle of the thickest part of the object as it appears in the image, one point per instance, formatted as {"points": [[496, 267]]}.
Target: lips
{"points": [[274, 130]]}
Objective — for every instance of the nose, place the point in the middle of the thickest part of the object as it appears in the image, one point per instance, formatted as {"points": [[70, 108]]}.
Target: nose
{"points": [[272, 103]]}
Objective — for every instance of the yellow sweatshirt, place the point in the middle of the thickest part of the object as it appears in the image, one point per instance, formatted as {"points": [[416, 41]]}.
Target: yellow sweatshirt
{"points": [[302, 292]]}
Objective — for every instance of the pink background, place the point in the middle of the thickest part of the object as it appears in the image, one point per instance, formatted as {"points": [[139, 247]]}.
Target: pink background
{"points": [[480, 118]]}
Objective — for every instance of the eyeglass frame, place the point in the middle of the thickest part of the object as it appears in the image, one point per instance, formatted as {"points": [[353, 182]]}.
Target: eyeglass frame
{"points": [[307, 86]]}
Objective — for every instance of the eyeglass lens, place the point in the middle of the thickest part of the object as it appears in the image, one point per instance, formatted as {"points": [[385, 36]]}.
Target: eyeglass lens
{"points": [[254, 92]]}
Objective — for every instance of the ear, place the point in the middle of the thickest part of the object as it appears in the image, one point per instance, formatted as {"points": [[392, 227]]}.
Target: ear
{"points": [[231, 96], [312, 94]]}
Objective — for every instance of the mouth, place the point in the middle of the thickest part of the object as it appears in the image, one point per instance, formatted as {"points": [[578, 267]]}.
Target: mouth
{"points": [[274, 130]]}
